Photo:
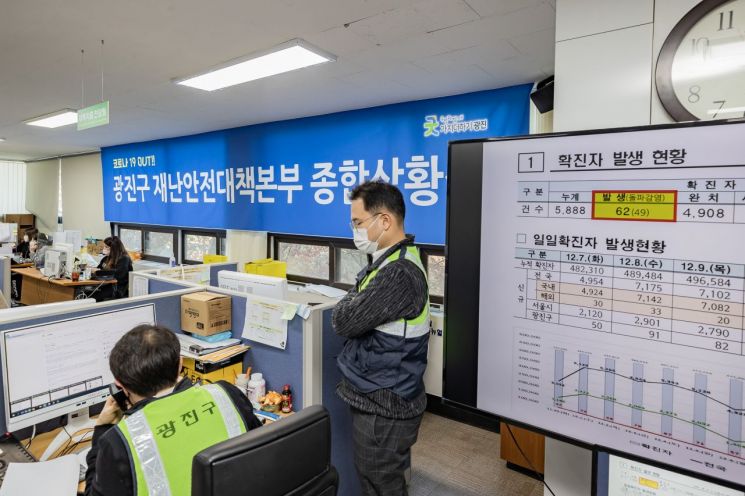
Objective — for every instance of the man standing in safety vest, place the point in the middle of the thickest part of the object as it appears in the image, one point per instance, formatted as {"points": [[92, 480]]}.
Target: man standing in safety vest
{"points": [[385, 318], [148, 449]]}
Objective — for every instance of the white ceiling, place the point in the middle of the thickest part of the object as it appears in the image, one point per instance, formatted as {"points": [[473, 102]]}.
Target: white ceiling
{"points": [[388, 51]]}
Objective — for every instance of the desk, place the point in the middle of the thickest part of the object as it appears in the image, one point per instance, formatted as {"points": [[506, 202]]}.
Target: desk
{"points": [[38, 289], [21, 265], [532, 443], [40, 443]]}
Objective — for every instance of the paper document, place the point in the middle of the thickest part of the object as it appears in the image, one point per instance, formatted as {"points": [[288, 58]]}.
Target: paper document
{"points": [[199, 274], [328, 291], [187, 341], [140, 286], [265, 323], [58, 477]]}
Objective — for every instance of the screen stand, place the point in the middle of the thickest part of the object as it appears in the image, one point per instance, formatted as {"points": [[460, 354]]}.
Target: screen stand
{"points": [[76, 422]]}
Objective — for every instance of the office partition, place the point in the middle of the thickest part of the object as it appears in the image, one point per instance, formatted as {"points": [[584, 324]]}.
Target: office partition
{"points": [[5, 277], [278, 366]]}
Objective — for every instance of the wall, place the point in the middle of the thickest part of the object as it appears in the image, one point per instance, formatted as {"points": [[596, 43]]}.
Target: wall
{"points": [[244, 246], [82, 196], [42, 186], [606, 52]]}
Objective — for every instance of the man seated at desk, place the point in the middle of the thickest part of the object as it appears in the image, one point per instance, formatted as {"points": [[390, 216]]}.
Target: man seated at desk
{"points": [[168, 422]]}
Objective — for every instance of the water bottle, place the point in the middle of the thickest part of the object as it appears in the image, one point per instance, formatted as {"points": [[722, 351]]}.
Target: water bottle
{"points": [[241, 382], [172, 261]]}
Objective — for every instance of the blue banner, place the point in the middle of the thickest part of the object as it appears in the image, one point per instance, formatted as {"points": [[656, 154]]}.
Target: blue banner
{"points": [[294, 176]]}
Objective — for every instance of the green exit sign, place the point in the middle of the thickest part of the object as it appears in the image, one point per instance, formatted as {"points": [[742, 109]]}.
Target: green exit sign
{"points": [[93, 116]]}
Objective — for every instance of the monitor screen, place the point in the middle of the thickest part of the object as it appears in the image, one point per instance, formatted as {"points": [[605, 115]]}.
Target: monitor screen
{"points": [[69, 255], [617, 475], [60, 367]]}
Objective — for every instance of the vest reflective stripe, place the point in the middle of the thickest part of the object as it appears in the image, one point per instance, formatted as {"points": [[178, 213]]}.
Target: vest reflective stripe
{"points": [[404, 328], [162, 466], [230, 416], [148, 455]]}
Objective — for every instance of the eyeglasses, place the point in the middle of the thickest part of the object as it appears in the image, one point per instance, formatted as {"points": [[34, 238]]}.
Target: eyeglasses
{"points": [[356, 225]]}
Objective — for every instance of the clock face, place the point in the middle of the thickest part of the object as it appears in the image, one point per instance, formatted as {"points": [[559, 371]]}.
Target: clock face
{"points": [[701, 68]]}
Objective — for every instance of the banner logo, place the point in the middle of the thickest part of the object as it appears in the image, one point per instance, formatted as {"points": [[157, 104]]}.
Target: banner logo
{"points": [[452, 124]]}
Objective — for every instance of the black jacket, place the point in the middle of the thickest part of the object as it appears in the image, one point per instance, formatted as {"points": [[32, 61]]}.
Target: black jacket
{"points": [[121, 274], [399, 291], [109, 470], [23, 249]]}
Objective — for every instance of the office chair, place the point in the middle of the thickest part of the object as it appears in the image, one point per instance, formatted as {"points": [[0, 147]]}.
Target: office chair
{"points": [[290, 457]]}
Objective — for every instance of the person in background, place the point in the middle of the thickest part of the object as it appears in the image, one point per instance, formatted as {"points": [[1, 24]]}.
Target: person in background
{"points": [[180, 419], [115, 258], [24, 247], [385, 318], [38, 248]]}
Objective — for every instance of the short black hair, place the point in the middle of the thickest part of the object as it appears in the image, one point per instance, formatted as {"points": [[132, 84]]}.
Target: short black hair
{"points": [[378, 194], [146, 359]]}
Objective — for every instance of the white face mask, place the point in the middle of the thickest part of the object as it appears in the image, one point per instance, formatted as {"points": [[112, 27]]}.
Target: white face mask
{"points": [[362, 242], [25, 239]]}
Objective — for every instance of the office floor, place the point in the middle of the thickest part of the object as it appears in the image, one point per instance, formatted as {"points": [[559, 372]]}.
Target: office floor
{"points": [[452, 459]]}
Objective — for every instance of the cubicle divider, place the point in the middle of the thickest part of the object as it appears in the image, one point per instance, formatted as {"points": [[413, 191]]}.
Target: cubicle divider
{"points": [[141, 281], [278, 366], [5, 278], [342, 455], [217, 267], [308, 364]]}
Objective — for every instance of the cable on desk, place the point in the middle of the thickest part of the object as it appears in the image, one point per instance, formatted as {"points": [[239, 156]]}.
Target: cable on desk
{"points": [[31, 439], [83, 439], [84, 296], [542, 477]]}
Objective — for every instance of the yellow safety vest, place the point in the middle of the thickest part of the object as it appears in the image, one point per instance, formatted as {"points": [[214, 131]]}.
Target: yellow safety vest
{"points": [[163, 437]]}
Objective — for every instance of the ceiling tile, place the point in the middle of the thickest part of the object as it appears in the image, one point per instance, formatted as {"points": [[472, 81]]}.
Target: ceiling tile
{"points": [[391, 51], [487, 8]]}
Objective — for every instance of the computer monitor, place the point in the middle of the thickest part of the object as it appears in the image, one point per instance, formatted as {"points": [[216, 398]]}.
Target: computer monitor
{"points": [[619, 474], [53, 262], [271, 287], [69, 251], [30, 311], [62, 367]]}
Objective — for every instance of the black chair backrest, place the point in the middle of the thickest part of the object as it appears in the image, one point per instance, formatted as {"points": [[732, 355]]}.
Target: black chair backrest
{"points": [[283, 458]]}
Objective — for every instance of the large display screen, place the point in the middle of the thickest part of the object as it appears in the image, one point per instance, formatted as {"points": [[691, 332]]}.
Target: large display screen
{"points": [[611, 290]]}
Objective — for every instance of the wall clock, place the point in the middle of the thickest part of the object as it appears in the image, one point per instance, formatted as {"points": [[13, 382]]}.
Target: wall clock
{"points": [[700, 72]]}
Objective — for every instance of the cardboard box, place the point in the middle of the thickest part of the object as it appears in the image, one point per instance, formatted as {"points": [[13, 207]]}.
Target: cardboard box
{"points": [[267, 267], [205, 313], [208, 372]]}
